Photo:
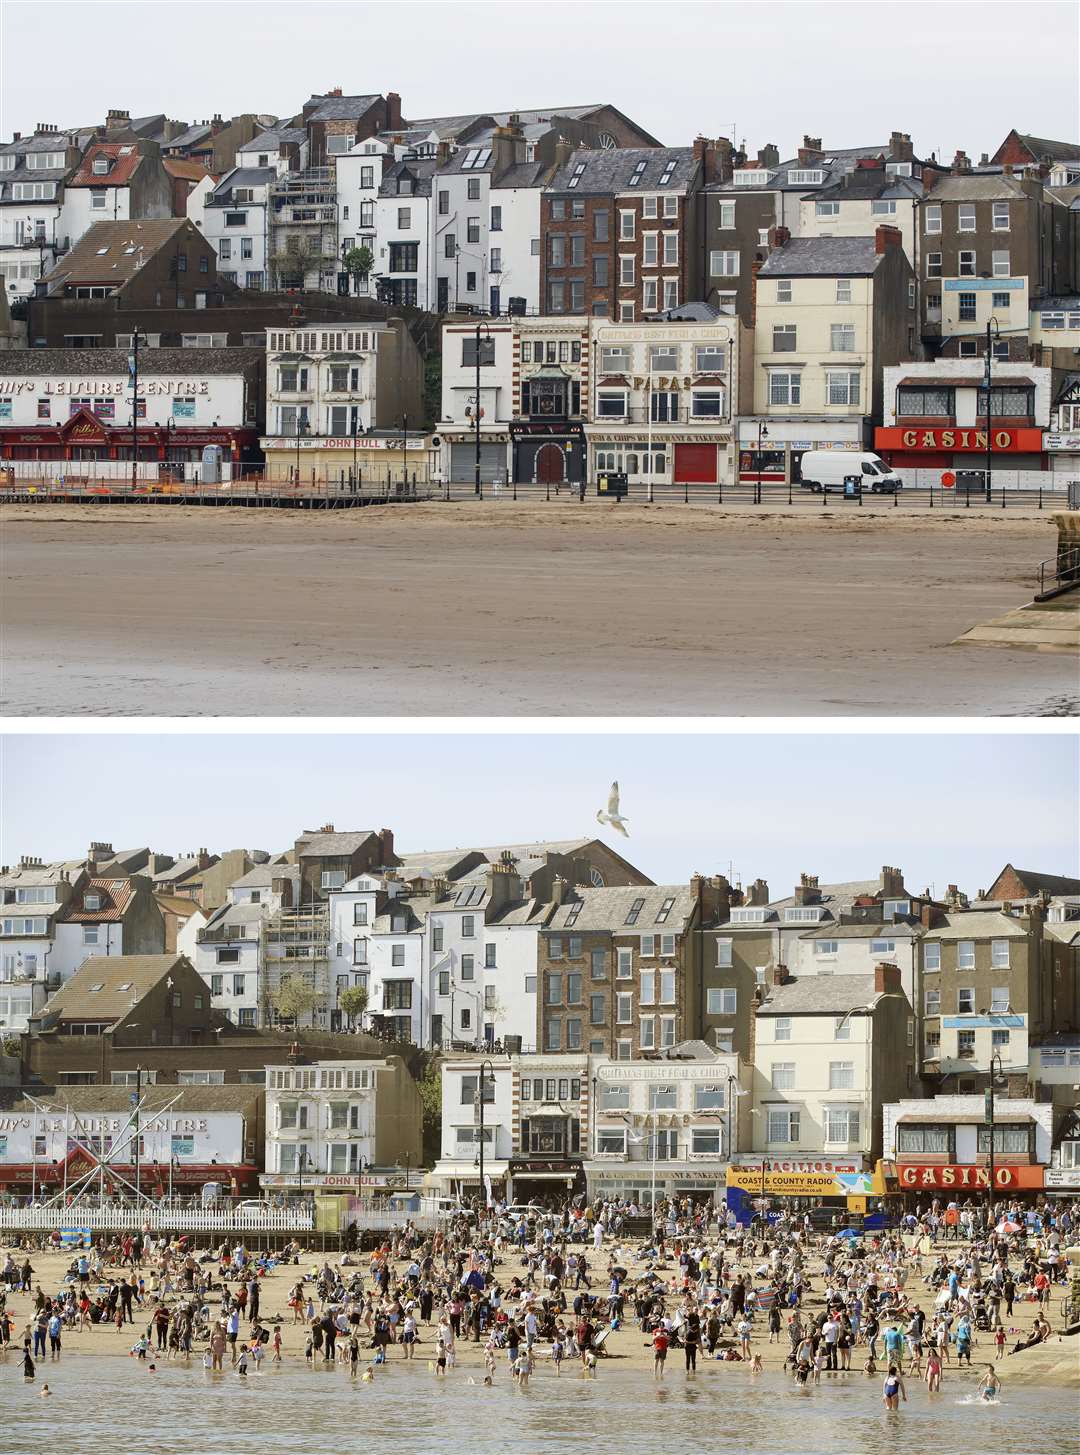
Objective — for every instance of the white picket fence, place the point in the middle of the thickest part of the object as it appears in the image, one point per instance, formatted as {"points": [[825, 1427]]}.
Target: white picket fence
{"points": [[114, 1218]]}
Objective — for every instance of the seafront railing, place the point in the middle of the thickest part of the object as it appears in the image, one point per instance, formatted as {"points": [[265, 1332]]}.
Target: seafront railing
{"points": [[155, 1217]]}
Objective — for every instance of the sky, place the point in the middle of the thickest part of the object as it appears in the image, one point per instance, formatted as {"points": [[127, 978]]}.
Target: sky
{"points": [[950, 74], [947, 809]]}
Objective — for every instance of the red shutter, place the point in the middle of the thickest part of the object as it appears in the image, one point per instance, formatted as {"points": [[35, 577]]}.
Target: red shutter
{"points": [[695, 464]]}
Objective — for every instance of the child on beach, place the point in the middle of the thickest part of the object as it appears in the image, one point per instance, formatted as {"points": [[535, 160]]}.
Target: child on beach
{"points": [[277, 1346], [893, 1389], [989, 1386], [999, 1340]]}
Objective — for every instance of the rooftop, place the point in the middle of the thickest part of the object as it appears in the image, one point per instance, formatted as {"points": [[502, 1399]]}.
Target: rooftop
{"points": [[823, 257], [115, 896], [105, 987], [668, 169], [340, 108], [626, 909], [820, 995], [123, 159], [334, 845], [113, 252]]}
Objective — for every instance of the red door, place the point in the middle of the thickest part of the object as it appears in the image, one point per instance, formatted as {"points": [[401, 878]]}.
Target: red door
{"points": [[550, 465], [695, 464]]}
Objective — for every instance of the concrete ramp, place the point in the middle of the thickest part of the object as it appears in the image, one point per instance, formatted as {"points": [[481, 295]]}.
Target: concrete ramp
{"points": [[1045, 626]]}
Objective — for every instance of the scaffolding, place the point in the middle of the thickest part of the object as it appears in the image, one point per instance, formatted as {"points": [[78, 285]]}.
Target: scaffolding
{"points": [[295, 943], [303, 220]]}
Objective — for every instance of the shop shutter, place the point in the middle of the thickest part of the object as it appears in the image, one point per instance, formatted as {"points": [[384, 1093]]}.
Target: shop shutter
{"points": [[463, 463], [695, 464]]}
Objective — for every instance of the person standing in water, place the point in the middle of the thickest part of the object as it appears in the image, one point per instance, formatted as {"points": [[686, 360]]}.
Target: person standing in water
{"points": [[989, 1386], [893, 1389]]}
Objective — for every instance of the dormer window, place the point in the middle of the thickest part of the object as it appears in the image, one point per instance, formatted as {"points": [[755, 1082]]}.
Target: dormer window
{"points": [[750, 178], [101, 166], [92, 901], [812, 177]]}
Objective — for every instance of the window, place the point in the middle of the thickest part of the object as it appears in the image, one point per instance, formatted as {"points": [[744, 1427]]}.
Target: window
{"points": [[625, 968], [784, 388], [841, 1124], [671, 246], [932, 217], [842, 338], [611, 405], [931, 956], [783, 290], [649, 251], [647, 1033], [999, 954], [997, 302], [967, 263], [1000, 221], [966, 310], [623, 1009], [999, 260], [965, 1000], [841, 1075], [783, 1076], [404, 218], [468, 926], [724, 263], [705, 1141], [210, 1078], [404, 257], [842, 388], [965, 217], [721, 1002], [397, 995], [999, 1000], [882, 947], [932, 1002], [596, 1010], [648, 987], [472, 229], [782, 1028], [468, 967], [487, 353], [723, 953], [783, 338], [239, 984], [330, 878], [826, 209], [783, 1125], [598, 964], [965, 1043], [611, 1140], [1013, 1139], [965, 955]]}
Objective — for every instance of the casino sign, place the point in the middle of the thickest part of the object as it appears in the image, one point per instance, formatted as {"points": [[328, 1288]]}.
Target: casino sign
{"points": [[951, 437], [967, 1177]]}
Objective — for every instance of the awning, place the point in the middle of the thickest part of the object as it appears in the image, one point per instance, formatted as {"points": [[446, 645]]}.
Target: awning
{"points": [[544, 1176]]}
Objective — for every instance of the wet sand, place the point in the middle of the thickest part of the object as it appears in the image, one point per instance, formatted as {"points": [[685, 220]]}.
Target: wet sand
{"points": [[495, 608]]}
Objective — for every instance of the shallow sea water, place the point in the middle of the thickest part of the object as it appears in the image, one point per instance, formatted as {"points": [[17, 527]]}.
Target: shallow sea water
{"points": [[114, 1405]]}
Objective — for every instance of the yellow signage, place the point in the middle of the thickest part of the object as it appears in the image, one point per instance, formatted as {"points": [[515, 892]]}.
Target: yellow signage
{"points": [[786, 1184]]}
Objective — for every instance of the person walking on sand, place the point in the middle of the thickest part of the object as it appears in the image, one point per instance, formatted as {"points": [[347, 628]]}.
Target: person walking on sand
{"points": [[892, 1391]]}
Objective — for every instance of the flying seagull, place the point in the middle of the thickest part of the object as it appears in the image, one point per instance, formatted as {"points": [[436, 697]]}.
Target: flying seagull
{"points": [[613, 816]]}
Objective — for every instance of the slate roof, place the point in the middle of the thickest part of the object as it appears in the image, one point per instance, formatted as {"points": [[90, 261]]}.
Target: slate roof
{"points": [[243, 1097], [820, 995], [976, 187], [823, 257], [263, 875], [610, 170], [273, 137], [1048, 883], [52, 141], [123, 978], [37, 875], [184, 170], [607, 909], [421, 169], [244, 913], [84, 263], [116, 895], [326, 845], [522, 174], [341, 108], [197, 133], [152, 362], [180, 870], [1058, 151], [977, 925]]}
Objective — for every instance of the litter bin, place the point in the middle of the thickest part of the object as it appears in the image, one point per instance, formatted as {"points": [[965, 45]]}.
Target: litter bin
{"points": [[852, 486]]}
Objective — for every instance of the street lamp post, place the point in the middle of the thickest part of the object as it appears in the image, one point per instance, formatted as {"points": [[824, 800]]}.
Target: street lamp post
{"points": [[300, 1164], [762, 434], [479, 326], [299, 431], [133, 362], [993, 331], [989, 1114], [480, 1093]]}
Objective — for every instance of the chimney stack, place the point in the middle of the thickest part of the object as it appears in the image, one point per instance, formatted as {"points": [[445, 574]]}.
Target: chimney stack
{"points": [[777, 975], [886, 978], [563, 148], [778, 236], [810, 151], [504, 885], [558, 890], [892, 881], [961, 162], [393, 111], [768, 156], [386, 841], [759, 893], [807, 891], [886, 237], [900, 148], [928, 916]]}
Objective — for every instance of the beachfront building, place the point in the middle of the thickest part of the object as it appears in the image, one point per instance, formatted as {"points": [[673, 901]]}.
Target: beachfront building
{"points": [[33, 895], [339, 398], [934, 418], [230, 947], [536, 1126], [663, 395], [329, 1121], [72, 412], [830, 314], [830, 1050], [186, 1137], [33, 172], [666, 1126], [941, 1146]]}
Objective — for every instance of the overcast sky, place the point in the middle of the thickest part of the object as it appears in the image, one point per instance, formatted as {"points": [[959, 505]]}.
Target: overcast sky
{"points": [[946, 809], [951, 74]]}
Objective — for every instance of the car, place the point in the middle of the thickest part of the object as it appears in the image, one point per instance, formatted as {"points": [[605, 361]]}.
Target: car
{"points": [[252, 1205], [518, 1210]]}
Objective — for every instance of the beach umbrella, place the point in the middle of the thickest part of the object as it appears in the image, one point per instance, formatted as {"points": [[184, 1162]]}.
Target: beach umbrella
{"points": [[1006, 1225]]}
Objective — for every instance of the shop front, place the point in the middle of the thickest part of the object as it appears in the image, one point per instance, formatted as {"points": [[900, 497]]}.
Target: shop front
{"points": [[547, 452], [363, 461], [459, 456], [1063, 455], [85, 442], [636, 1181], [551, 1180], [956, 448], [676, 457], [799, 1184], [967, 1180], [770, 449]]}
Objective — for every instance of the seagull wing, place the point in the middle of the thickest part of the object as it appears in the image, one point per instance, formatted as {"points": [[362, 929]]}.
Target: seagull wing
{"points": [[613, 799], [618, 823]]}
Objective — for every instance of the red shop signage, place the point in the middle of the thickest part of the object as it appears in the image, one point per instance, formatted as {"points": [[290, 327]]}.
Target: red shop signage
{"points": [[1019, 441], [912, 1174]]}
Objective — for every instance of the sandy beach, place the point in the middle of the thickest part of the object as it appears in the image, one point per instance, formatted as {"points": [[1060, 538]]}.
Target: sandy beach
{"points": [[492, 608], [1054, 1363]]}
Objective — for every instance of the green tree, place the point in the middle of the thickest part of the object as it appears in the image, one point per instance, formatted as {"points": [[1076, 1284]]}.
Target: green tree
{"points": [[358, 262], [294, 999], [429, 1086], [353, 1002]]}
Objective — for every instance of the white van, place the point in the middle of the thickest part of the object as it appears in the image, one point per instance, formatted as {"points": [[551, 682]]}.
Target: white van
{"points": [[826, 469]]}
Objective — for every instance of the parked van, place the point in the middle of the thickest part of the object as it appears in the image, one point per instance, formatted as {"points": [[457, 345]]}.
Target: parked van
{"points": [[826, 469]]}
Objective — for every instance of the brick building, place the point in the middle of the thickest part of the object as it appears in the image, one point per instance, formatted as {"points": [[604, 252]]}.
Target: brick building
{"points": [[619, 970], [619, 230]]}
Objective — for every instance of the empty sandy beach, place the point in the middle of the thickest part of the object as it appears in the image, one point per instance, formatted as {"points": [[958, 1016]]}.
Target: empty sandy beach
{"points": [[502, 609]]}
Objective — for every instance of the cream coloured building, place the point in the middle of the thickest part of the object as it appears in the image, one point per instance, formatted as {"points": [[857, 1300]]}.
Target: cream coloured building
{"points": [[831, 312]]}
